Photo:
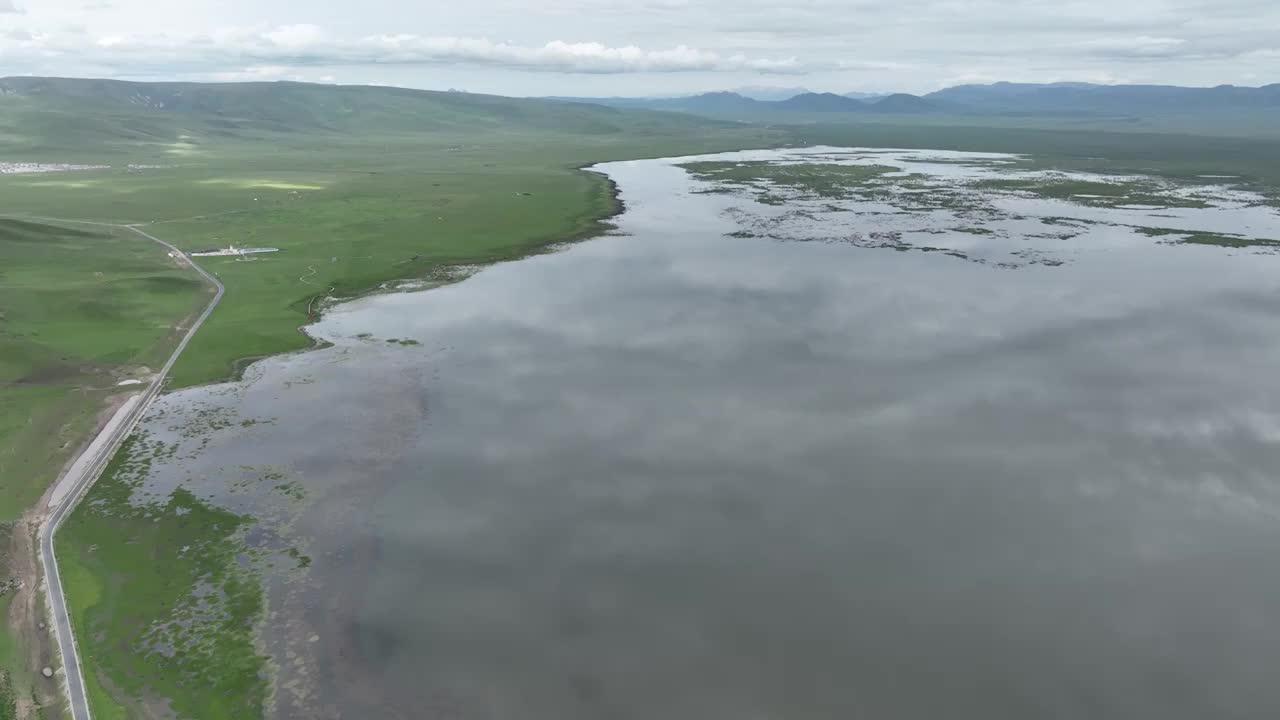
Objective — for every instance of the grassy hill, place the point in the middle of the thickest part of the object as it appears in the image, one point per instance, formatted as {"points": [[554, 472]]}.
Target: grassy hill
{"points": [[61, 115]]}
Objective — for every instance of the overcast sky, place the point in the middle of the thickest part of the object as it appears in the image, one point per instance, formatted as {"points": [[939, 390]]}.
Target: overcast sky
{"points": [[641, 47]]}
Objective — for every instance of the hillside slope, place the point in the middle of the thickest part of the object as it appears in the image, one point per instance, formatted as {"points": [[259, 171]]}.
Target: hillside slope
{"points": [[903, 103], [821, 102], [60, 114]]}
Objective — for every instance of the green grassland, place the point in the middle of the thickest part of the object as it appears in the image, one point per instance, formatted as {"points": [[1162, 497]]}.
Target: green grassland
{"points": [[79, 310], [350, 211]]}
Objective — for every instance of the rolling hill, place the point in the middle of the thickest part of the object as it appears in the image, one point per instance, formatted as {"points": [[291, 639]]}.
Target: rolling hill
{"points": [[61, 114], [902, 103], [821, 102]]}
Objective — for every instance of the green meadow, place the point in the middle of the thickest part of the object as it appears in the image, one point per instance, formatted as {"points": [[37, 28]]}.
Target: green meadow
{"points": [[80, 311]]}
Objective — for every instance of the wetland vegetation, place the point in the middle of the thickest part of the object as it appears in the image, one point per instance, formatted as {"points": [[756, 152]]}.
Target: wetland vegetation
{"points": [[905, 200], [165, 598], [1117, 192], [818, 180]]}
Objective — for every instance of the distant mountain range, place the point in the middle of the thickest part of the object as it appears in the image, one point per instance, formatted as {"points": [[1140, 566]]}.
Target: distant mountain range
{"points": [[997, 99], [1083, 97], [769, 93], [865, 95], [736, 105]]}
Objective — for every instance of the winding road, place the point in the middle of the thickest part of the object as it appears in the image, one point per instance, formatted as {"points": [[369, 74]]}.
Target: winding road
{"points": [[85, 471]]}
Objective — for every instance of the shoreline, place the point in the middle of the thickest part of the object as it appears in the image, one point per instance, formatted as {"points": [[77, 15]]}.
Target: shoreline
{"points": [[437, 276], [591, 225]]}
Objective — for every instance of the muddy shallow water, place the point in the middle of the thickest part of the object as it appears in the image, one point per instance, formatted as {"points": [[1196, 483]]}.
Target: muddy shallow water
{"points": [[673, 473]]}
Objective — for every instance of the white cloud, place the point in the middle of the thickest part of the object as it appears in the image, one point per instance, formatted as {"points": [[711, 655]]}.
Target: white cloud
{"points": [[257, 72], [871, 65], [307, 45], [1143, 46], [297, 37], [8, 6], [651, 46]]}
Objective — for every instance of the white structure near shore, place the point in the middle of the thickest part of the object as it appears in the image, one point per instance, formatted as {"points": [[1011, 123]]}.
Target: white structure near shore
{"points": [[25, 168], [232, 251]]}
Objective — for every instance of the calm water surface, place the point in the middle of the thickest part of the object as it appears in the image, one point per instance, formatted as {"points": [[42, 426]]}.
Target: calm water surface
{"points": [[675, 474]]}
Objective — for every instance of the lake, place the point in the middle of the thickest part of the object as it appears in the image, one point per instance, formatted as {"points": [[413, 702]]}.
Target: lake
{"points": [[809, 460]]}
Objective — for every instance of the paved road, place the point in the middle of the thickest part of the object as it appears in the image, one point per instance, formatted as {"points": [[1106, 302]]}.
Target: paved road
{"points": [[87, 473]]}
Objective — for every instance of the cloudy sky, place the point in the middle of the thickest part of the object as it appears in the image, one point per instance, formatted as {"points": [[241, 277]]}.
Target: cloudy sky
{"points": [[640, 47]]}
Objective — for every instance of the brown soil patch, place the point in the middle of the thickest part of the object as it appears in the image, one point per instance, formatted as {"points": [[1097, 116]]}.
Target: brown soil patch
{"points": [[54, 373], [146, 709], [35, 646]]}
